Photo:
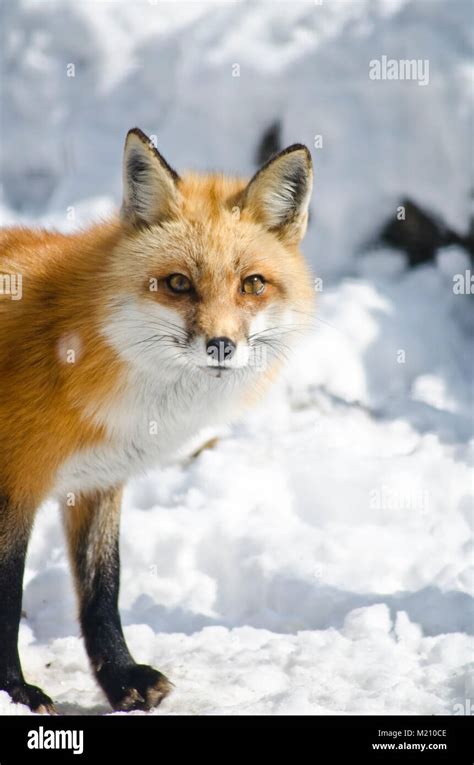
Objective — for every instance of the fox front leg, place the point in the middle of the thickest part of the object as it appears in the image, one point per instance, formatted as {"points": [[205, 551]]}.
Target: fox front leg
{"points": [[15, 527], [92, 528]]}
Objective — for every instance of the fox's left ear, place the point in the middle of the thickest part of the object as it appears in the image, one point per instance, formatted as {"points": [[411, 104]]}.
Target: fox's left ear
{"points": [[150, 192], [278, 195]]}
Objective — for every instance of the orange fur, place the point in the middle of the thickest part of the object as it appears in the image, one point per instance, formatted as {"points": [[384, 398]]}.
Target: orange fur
{"points": [[42, 396]]}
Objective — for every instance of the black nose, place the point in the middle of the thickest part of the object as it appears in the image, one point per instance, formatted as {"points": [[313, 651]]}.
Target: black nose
{"points": [[220, 349]]}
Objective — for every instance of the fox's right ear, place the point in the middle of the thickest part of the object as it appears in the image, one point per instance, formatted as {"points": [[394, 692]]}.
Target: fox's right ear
{"points": [[150, 192]]}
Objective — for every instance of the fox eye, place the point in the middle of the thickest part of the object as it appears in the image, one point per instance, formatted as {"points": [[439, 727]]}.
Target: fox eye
{"points": [[179, 283], [253, 285]]}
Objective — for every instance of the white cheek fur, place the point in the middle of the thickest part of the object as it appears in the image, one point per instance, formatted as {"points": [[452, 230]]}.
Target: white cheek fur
{"points": [[137, 330]]}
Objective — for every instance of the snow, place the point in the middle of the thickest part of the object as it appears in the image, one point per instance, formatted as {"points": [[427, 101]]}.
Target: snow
{"points": [[319, 559]]}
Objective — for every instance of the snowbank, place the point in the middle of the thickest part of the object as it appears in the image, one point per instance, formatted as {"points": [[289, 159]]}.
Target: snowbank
{"points": [[170, 69]]}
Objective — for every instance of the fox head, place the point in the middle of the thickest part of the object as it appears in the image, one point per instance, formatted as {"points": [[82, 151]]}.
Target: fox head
{"points": [[207, 275]]}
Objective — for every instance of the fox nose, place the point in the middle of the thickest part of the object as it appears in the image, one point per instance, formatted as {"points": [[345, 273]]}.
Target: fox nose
{"points": [[220, 349]]}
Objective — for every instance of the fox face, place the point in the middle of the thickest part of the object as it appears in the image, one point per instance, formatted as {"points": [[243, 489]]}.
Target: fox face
{"points": [[207, 277]]}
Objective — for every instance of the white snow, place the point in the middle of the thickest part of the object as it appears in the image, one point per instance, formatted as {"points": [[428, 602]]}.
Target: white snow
{"points": [[318, 560]]}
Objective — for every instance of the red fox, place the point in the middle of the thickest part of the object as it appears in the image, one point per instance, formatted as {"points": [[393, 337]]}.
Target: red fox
{"points": [[118, 345]]}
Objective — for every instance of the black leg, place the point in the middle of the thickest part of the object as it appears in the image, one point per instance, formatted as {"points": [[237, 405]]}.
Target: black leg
{"points": [[15, 527], [92, 528]]}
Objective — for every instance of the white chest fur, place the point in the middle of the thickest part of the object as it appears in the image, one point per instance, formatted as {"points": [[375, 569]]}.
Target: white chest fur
{"points": [[149, 425]]}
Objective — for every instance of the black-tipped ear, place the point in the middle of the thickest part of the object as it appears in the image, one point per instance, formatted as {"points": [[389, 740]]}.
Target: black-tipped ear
{"points": [[150, 192], [278, 195]]}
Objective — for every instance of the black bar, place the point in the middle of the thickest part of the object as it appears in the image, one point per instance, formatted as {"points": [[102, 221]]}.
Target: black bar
{"points": [[140, 737]]}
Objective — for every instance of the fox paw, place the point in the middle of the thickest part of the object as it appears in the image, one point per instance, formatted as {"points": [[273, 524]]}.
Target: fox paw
{"points": [[33, 697], [138, 687]]}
